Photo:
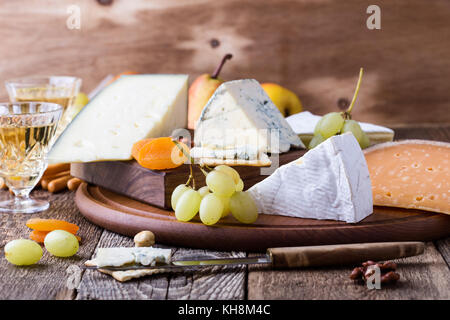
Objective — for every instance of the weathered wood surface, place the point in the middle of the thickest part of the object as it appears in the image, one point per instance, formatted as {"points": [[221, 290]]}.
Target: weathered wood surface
{"points": [[315, 48]]}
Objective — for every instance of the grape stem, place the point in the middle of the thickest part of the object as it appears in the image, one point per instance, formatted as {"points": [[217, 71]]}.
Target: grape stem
{"points": [[347, 113]]}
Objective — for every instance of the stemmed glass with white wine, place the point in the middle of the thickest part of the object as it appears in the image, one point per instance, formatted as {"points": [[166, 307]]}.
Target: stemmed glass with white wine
{"points": [[27, 132]]}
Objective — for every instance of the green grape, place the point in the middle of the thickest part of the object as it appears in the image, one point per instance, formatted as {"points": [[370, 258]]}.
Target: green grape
{"points": [[23, 252], [240, 185], [353, 127], [331, 124], [316, 140], [211, 209], [229, 171], [203, 191], [226, 206], [365, 141], [61, 243], [188, 205], [220, 183], [243, 207], [318, 125], [176, 194]]}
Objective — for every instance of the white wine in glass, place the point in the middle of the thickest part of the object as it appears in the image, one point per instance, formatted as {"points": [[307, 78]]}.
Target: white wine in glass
{"points": [[27, 131]]}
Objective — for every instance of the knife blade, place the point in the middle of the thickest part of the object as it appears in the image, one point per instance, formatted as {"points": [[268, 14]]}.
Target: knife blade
{"points": [[299, 257]]}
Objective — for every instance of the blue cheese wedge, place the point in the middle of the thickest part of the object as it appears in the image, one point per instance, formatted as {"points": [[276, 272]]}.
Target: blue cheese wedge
{"points": [[239, 125], [303, 124], [121, 256], [130, 109], [329, 182]]}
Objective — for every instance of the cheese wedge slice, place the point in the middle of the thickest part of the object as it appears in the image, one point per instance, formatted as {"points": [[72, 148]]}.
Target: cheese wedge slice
{"points": [[411, 174], [120, 256], [130, 109], [330, 182], [241, 123], [303, 124]]}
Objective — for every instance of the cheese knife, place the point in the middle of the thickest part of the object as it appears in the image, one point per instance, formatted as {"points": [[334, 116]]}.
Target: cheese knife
{"points": [[298, 257]]}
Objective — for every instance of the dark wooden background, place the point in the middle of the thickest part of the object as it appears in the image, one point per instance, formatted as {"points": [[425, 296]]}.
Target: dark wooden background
{"points": [[314, 47]]}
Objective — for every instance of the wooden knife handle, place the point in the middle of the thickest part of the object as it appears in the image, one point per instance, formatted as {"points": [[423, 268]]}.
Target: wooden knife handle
{"points": [[342, 254]]}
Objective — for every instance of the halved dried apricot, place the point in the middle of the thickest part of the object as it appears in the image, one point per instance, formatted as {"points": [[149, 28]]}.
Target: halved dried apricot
{"points": [[161, 153], [51, 224], [138, 145], [39, 236]]}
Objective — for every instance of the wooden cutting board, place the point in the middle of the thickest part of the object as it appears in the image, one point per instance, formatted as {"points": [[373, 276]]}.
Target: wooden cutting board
{"points": [[127, 216]]}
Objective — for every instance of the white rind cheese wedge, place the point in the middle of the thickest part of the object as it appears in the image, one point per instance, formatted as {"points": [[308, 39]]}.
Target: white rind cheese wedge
{"points": [[117, 257], [237, 123], [303, 124], [329, 182], [130, 109]]}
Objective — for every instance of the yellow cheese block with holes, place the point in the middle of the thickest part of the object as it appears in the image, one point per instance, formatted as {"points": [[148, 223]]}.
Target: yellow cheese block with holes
{"points": [[411, 174]]}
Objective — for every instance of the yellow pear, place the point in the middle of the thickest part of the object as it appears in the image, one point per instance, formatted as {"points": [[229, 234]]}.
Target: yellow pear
{"points": [[286, 101]]}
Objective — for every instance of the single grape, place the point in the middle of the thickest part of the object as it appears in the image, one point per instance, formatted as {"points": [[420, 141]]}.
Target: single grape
{"points": [[188, 205], [240, 185], [353, 127], [229, 171], [331, 124], [61, 243], [318, 125], [23, 252], [220, 183], [365, 141], [226, 206], [203, 191], [243, 207], [176, 194], [211, 209], [316, 140]]}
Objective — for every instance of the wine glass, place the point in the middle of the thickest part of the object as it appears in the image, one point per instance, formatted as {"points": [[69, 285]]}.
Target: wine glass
{"points": [[27, 131]]}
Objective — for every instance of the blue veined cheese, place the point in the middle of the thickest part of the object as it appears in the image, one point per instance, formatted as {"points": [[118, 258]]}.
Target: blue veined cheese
{"points": [[303, 124], [329, 182], [130, 109], [116, 257], [241, 114]]}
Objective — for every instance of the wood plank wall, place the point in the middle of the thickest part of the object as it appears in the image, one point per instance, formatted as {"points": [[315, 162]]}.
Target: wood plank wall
{"points": [[314, 47]]}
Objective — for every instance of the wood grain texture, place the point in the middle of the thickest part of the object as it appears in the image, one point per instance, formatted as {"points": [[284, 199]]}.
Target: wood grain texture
{"points": [[48, 278], [211, 283], [155, 187], [314, 48], [422, 277], [126, 216]]}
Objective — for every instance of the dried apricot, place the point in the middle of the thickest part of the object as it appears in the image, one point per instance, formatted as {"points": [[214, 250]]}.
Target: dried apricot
{"points": [[162, 153], [51, 224], [138, 145], [39, 236]]}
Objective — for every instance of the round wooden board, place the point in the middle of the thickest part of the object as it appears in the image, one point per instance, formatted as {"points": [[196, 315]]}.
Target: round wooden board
{"points": [[126, 216]]}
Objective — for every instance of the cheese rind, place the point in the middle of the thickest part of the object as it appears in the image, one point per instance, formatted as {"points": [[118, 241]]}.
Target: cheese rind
{"points": [[130, 109], [303, 124], [412, 174], [330, 181], [240, 116]]}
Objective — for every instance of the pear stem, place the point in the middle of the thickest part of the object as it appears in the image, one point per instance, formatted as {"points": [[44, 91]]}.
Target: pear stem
{"points": [[350, 108], [219, 67]]}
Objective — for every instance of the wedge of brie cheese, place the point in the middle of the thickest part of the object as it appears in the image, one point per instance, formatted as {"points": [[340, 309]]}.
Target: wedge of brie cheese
{"points": [[330, 181], [303, 124], [117, 257], [130, 109], [241, 124]]}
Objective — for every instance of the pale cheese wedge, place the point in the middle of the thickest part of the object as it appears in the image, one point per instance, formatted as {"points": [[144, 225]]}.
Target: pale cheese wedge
{"points": [[411, 174], [132, 108]]}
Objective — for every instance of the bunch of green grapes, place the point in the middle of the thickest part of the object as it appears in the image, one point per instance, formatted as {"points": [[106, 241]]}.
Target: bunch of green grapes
{"points": [[222, 194], [334, 123]]}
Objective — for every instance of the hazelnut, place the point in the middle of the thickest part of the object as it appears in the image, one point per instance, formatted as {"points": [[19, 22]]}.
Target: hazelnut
{"points": [[144, 239]]}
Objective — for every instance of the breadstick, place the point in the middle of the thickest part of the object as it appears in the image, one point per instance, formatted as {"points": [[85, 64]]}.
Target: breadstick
{"points": [[73, 184], [59, 184], [53, 169], [46, 180]]}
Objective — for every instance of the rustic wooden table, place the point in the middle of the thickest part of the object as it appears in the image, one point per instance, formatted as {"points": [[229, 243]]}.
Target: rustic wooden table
{"points": [[422, 277]]}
